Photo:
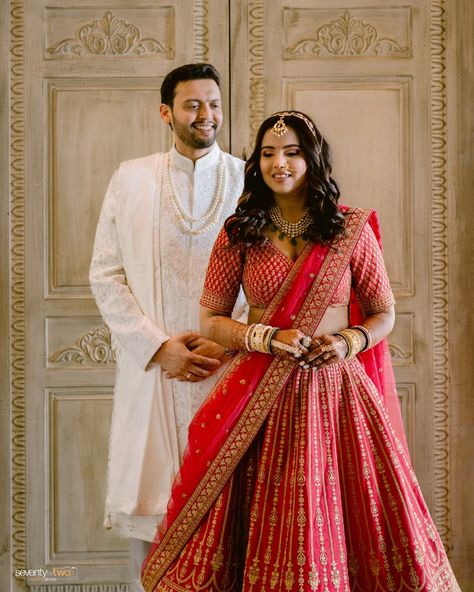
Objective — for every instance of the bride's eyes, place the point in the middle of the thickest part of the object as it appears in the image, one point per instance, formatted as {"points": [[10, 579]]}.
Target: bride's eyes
{"points": [[290, 153]]}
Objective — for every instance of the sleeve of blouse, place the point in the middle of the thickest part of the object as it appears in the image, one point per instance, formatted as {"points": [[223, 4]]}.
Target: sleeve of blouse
{"points": [[369, 276], [223, 277]]}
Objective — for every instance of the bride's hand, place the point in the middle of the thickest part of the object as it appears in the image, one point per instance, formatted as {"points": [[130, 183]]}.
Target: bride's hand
{"points": [[206, 347], [290, 344], [325, 350]]}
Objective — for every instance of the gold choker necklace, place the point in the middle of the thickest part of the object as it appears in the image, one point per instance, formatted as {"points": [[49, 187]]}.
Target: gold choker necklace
{"points": [[290, 229]]}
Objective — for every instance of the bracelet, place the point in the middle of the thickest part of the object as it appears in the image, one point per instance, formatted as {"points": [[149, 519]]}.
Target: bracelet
{"points": [[247, 337], [271, 335], [348, 343], [353, 339], [367, 335], [258, 338]]}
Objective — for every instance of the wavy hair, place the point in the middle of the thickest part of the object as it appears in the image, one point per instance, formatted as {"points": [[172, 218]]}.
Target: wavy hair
{"points": [[246, 227]]}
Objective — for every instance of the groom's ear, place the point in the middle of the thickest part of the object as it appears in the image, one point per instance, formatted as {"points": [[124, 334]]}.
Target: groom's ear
{"points": [[165, 113]]}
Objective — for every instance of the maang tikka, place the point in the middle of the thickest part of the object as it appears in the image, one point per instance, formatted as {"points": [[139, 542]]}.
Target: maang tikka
{"points": [[280, 129]]}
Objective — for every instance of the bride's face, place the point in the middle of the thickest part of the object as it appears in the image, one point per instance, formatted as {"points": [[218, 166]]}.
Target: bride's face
{"points": [[282, 164]]}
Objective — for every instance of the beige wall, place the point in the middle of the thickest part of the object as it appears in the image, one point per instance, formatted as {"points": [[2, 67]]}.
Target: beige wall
{"points": [[461, 284]]}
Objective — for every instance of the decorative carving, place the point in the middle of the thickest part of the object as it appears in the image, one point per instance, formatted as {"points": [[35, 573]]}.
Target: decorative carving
{"points": [[397, 353], [256, 44], [440, 270], [17, 239], [94, 347], [348, 36], [109, 36], [201, 30]]}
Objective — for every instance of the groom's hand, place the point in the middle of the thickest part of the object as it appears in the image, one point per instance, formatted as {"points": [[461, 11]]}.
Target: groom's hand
{"points": [[178, 360]]}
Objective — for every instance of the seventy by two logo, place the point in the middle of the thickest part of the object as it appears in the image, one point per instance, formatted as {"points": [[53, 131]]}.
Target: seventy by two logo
{"points": [[50, 574]]}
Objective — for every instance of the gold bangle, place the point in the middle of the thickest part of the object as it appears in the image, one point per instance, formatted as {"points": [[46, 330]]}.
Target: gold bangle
{"points": [[353, 339], [348, 343], [248, 334], [367, 335], [356, 341]]}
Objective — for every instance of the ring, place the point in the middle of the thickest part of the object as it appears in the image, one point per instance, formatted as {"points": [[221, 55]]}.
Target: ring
{"points": [[306, 341]]}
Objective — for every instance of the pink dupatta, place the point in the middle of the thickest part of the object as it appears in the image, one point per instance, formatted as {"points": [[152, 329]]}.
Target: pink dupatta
{"points": [[377, 362]]}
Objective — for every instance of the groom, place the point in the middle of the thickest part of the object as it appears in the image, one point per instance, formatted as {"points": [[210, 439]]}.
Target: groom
{"points": [[160, 217]]}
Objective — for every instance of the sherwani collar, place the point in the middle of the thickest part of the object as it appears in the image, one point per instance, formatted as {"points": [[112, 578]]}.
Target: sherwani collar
{"points": [[186, 164]]}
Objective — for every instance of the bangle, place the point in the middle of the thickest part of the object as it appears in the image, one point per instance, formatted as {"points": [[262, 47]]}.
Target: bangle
{"points": [[258, 338], [348, 343], [353, 339], [247, 337], [269, 337], [367, 335]]}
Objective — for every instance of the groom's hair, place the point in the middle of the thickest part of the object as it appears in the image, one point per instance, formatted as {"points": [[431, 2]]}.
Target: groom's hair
{"points": [[183, 74]]}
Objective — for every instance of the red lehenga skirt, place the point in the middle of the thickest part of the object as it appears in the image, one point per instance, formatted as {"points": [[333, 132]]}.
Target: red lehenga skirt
{"points": [[325, 499]]}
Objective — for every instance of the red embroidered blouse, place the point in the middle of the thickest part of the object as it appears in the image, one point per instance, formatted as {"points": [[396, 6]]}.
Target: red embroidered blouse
{"points": [[262, 270]]}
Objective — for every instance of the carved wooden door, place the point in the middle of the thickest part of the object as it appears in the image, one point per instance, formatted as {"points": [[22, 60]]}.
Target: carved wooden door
{"points": [[368, 77], [91, 99]]}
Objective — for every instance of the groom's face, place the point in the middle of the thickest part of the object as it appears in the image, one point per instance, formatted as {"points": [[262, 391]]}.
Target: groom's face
{"points": [[196, 114]]}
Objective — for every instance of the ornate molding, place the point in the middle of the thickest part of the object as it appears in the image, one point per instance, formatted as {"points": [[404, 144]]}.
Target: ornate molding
{"points": [[256, 48], [109, 36], [201, 30], [17, 287], [348, 36], [397, 353], [439, 259], [94, 347]]}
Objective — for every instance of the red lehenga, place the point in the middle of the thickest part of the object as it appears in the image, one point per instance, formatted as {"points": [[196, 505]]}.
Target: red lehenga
{"points": [[296, 480]]}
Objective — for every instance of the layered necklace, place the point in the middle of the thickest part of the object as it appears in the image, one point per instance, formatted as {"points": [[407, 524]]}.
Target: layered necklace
{"points": [[213, 214], [290, 229]]}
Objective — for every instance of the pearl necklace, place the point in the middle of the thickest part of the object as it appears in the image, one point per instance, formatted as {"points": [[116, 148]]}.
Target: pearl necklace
{"points": [[290, 229], [185, 219]]}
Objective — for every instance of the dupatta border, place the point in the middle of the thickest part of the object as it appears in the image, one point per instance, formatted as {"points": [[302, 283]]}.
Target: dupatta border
{"points": [[261, 402]]}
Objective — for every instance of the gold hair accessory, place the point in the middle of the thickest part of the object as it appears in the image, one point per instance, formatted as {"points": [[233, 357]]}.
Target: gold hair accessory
{"points": [[280, 129]]}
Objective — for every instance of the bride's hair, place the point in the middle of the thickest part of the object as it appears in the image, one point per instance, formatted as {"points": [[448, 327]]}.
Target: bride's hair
{"points": [[246, 226]]}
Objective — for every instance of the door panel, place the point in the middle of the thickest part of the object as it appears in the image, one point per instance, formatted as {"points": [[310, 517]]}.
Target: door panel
{"points": [[94, 74], [363, 75]]}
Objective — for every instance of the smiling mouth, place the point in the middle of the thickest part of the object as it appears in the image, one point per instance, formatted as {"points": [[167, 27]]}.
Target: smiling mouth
{"points": [[204, 127]]}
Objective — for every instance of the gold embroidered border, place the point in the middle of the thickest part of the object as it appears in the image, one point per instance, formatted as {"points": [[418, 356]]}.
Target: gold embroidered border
{"points": [[355, 222]]}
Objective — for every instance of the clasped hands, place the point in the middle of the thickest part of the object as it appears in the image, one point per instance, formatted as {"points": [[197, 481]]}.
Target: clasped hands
{"points": [[311, 352], [189, 357]]}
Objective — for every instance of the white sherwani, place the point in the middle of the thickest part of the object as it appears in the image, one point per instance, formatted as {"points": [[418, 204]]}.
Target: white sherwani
{"points": [[147, 275]]}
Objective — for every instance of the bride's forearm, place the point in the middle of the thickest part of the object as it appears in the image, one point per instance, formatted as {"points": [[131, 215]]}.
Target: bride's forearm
{"points": [[224, 331]]}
